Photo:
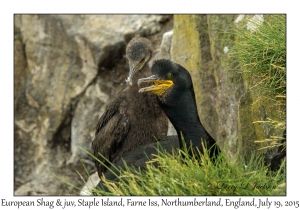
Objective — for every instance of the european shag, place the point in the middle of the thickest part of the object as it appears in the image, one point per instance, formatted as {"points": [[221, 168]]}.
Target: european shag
{"points": [[132, 119], [174, 89], [173, 86]]}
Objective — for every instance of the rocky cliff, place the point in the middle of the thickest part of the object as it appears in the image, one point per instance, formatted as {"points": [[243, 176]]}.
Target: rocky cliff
{"points": [[199, 44], [68, 67]]}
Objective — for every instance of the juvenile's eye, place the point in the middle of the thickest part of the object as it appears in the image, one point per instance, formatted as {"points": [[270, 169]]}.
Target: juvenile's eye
{"points": [[169, 75]]}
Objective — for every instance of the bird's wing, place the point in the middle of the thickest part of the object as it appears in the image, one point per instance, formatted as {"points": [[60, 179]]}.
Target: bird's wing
{"points": [[138, 157], [111, 110], [112, 128]]}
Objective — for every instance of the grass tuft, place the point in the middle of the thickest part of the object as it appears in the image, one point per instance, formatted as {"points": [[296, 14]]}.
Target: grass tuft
{"points": [[260, 57], [180, 174]]}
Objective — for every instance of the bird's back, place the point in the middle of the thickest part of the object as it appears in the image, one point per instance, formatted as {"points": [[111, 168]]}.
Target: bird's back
{"points": [[130, 121]]}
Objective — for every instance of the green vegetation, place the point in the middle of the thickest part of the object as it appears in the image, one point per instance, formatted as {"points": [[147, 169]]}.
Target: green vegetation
{"points": [[260, 56], [179, 174], [261, 60]]}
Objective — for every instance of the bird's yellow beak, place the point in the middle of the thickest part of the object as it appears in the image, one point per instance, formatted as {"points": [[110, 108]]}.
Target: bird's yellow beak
{"points": [[159, 86]]}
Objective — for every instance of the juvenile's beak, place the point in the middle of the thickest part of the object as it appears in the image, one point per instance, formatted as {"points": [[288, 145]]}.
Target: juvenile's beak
{"points": [[133, 68], [148, 79], [159, 87]]}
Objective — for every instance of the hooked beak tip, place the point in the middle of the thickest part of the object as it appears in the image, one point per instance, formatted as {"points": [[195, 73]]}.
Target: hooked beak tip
{"points": [[148, 79], [141, 90], [139, 82]]}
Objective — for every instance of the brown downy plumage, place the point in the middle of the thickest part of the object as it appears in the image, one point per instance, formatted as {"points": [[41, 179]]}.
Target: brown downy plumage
{"points": [[132, 119]]}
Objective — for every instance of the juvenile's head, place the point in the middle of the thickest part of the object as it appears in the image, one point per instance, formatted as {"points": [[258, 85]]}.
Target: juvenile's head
{"points": [[138, 52]]}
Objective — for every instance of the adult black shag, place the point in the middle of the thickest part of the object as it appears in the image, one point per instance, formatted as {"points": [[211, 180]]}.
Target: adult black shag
{"points": [[132, 119], [175, 93]]}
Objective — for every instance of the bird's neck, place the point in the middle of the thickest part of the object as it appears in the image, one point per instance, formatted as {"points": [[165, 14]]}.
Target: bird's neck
{"points": [[147, 101], [142, 73], [183, 115]]}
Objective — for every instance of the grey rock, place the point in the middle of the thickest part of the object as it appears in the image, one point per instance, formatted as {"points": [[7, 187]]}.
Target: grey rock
{"points": [[67, 67], [166, 45], [91, 183]]}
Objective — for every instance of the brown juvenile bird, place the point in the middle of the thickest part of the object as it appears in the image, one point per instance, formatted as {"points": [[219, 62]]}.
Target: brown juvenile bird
{"points": [[132, 119]]}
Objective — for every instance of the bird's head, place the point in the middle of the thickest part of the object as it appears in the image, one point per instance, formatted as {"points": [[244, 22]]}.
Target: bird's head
{"points": [[138, 52], [167, 76]]}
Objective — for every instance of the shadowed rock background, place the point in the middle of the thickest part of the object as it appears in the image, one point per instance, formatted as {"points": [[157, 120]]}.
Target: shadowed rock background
{"points": [[68, 67]]}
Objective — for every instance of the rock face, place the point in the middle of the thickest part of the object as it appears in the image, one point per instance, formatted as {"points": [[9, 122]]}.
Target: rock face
{"points": [[67, 67], [198, 45]]}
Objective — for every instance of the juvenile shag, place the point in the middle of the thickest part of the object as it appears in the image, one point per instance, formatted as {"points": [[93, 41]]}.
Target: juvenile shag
{"points": [[173, 86], [132, 119]]}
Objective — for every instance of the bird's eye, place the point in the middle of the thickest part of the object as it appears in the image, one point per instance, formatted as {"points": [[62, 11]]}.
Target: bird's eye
{"points": [[127, 60], [169, 75]]}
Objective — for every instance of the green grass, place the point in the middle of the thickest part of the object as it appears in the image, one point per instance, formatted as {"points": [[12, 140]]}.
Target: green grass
{"points": [[273, 141], [262, 55], [180, 175], [261, 60]]}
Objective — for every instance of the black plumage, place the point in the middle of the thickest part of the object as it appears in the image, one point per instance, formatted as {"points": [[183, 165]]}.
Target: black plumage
{"points": [[175, 93], [138, 157], [274, 160], [132, 119]]}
